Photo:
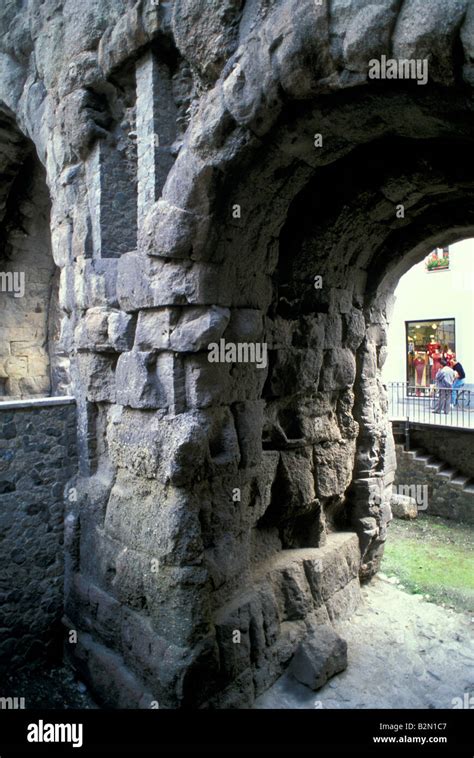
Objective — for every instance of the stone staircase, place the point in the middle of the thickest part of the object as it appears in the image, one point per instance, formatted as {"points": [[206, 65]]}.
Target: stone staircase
{"points": [[443, 470], [451, 493]]}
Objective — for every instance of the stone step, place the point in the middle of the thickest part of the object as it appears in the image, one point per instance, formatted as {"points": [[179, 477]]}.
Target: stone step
{"points": [[448, 473], [469, 487], [460, 481], [422, 457], [435, 466]]}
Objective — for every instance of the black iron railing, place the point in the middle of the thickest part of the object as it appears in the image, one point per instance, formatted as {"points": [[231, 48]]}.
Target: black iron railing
{"points": [[429, 405]]}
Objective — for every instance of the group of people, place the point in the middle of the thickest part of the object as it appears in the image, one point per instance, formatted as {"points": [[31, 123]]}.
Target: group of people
{"points": [[449, 378]]}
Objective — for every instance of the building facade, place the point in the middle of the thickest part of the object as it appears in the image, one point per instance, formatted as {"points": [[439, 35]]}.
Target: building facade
{"points": [[433, 315]]}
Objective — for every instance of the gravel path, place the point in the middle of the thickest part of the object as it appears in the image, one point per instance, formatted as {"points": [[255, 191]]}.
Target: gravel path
{"points": [[403, 652]]}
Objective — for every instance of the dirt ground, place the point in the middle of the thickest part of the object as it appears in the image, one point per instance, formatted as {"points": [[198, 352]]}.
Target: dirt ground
{"points": [[403, 652]]}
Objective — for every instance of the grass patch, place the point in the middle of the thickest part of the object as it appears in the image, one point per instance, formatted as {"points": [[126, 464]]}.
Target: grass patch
{"points": [[432, 556]]}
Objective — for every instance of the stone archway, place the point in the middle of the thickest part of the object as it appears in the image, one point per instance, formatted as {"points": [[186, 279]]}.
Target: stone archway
{"points": [[230, 485], [220, 493], [31, 360], [348, 233]]}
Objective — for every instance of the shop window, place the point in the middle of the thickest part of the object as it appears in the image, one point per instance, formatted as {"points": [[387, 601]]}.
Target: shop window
{"points": [[427, 343]]}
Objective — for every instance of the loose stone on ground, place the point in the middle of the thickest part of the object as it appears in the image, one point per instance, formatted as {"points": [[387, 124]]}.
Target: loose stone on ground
{"points": [[403, 652]]}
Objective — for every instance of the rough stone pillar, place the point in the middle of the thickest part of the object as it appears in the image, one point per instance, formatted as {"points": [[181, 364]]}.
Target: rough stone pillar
{"points": [[156, 130]]}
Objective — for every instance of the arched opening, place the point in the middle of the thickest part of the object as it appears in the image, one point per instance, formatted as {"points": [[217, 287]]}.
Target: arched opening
{"points": [[318, 249], [428, 375], [341, 252], [31, 363], [431, 319]]}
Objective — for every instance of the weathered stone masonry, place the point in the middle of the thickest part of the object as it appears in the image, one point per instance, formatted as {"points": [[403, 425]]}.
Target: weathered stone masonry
{"points": [[38, 456], [168, 117]]}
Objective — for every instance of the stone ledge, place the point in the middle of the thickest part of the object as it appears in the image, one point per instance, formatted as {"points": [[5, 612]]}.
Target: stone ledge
{"points": [[36, 402], [291, 591]]}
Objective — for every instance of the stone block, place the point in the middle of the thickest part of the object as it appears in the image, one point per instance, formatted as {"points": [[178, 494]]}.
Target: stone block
{"points": [[319, 657], [240, 694], [332, 331], [338, 371], [207, 384], [354, 328], [16, 367], [233, 638], [333, 467], [421, 35], [177, 449], [172, 232], [89, 283], [249, 424], [177, 601], [344, 602], [92, 329], [295, 370], [112, 682], [121, 331], [160, 521], [97, 372], [154, 328], [245, 325], [145, 380], [146, 283], [198, 327], [333, 566], [247, 382], [403, 507], [292, 591]]}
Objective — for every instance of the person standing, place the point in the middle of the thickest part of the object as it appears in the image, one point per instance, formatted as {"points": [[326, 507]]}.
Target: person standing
{"points": [[444, 381], [459, 378]]}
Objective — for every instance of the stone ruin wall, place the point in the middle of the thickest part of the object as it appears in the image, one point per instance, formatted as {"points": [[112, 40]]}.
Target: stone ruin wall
{"points": [[38, 456], [189, 205]]}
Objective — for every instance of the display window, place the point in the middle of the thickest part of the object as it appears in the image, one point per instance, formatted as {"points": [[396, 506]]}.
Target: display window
{"points": [[427, 343]]}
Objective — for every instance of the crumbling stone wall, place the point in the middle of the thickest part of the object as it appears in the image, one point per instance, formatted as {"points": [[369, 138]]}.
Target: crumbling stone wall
{"points": [[274, 159], [38, 455]]}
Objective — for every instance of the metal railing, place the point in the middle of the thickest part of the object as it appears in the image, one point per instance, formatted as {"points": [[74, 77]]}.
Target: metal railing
{"points": [[429, 405]]}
